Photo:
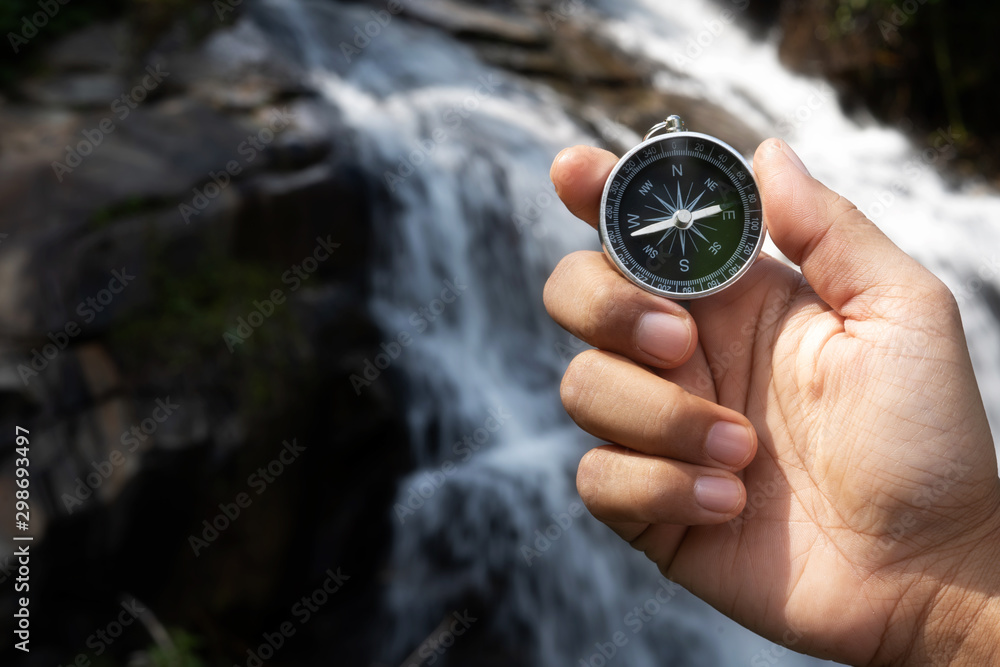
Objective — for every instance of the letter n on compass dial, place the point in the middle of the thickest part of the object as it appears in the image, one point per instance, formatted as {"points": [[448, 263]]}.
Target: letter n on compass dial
{"points": [[681, 215]]}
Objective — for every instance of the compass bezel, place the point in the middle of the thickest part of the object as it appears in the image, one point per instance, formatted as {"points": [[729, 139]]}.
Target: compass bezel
{"points": [[619, 263]]}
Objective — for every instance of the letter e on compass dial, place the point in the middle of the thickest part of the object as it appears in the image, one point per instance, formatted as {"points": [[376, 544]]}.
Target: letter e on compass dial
{"points": [[681, 215]]}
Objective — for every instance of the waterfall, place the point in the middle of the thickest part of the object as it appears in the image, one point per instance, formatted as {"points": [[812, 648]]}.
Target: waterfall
{"points": [[467, 229]]}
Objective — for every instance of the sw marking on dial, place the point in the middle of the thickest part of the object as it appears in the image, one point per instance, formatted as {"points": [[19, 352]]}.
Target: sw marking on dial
{"points": [[681, 215]]}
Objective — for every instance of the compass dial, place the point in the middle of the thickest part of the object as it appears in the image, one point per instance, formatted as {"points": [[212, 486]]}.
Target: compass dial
{"points": [[681, 215]]}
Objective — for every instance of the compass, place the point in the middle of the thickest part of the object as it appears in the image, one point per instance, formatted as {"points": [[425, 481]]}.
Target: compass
{"points": [[681, 214]]}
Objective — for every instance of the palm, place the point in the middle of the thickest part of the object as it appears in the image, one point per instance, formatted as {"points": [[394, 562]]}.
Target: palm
{"points": [[831, 400]]}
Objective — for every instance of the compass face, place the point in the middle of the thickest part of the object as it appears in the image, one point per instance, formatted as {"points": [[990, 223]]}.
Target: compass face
{"points": [[681, 215]]}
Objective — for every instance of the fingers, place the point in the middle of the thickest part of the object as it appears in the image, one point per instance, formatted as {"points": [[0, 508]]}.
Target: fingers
{"points": [[597, 305], [619, 401], [579, 174], [621, 485], [846, 259]]}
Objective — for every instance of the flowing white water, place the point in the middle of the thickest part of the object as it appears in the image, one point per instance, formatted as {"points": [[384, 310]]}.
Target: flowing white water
{"points": [[457, 150]]}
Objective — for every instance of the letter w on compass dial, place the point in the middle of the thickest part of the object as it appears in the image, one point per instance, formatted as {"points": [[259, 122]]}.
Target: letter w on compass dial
{"points": [[684, 221]]}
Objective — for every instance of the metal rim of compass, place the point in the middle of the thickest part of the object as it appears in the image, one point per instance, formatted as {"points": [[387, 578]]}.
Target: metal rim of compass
{"points": [[669, 130]]}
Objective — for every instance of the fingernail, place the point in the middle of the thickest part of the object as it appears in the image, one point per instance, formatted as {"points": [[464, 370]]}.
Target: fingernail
{"points": [[663, 336], [556, 164], [717, 494], [793, 158], [729, 443]]}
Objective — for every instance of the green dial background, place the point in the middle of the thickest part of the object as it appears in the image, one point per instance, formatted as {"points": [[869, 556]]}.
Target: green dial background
{"points": [[690, 171]]}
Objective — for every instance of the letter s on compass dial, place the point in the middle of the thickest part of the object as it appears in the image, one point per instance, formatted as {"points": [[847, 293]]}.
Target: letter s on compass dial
{"points": [[681, 215]]}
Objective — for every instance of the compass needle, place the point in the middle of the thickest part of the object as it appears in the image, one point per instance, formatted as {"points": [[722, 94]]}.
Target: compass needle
{"points": [[706, 212], [703, 230]]}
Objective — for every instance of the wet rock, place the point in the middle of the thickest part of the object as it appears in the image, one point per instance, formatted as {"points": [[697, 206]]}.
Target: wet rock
{"points": [[574, 53], [100, 47], [324, 202], [238, 69], [68, 168], [74, 91], [477, 21]]}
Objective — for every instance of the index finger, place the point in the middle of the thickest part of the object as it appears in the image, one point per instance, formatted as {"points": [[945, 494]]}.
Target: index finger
{"points": [[579, 175]]}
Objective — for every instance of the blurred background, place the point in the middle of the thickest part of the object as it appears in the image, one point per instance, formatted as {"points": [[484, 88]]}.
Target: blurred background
{"points": [[270, 304]]}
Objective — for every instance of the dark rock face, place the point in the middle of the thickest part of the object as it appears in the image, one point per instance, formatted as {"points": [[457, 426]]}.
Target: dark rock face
{"points": [[149, 209]]}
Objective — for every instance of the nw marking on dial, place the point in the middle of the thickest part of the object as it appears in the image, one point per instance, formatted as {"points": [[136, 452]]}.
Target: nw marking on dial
{"points": [[680, 216]]}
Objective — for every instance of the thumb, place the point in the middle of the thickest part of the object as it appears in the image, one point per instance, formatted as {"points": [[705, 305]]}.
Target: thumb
{"points": [[844, 257]]}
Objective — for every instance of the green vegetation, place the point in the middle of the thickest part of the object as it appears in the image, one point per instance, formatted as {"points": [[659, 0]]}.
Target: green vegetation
{"points": [[132, 205], [182, 654], [180, 331], [919, 64]]}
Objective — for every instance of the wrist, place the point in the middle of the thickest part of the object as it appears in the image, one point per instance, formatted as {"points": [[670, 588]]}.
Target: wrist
{"points": [[960, 624], [962, 632]]}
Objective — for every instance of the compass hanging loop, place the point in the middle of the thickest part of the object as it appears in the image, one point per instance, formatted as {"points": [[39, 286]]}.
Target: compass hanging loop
{"points": [[672, 124]]}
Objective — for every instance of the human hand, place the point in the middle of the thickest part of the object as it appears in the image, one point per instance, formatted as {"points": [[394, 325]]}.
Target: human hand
{"points": [[841, 401]]}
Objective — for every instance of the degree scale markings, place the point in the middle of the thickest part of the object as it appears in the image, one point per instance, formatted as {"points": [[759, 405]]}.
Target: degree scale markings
{"points": [[655, 153]]}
